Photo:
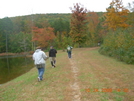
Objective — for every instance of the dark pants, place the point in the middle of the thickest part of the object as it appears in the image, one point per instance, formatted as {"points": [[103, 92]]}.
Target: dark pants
{"points": [[69, 54]]}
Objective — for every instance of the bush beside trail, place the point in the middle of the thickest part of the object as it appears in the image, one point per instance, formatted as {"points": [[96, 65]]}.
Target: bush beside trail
{"points": [[120, 45]]}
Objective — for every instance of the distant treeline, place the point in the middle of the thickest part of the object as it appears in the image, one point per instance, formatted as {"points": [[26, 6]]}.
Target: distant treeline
{"points": [[16, 32]]}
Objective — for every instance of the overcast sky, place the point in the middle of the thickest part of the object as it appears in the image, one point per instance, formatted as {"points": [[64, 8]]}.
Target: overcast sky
{"points": [[11, 8]]}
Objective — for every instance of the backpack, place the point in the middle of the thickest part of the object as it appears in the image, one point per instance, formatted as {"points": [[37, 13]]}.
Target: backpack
{"points": [[69, 48]]}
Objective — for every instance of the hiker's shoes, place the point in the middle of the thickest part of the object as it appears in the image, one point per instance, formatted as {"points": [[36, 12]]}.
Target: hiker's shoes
{"points": [[39, 79], [53, 66]]}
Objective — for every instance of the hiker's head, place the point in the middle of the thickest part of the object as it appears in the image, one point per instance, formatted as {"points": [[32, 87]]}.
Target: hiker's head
{"points": [[51, 47], [38, 47]]}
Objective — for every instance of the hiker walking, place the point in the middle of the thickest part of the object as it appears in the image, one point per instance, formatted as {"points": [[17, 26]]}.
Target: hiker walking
{"points": [[52, 56], [69, 51], [40, 58]]}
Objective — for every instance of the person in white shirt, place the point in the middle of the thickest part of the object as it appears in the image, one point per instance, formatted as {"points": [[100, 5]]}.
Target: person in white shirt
{"points": [[69, 51], [40, 58]]}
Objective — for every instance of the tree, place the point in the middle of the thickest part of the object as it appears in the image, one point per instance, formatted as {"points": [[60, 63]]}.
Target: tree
{"points": [[2, 44], [6, 28], [20, 42], [44, 36], [131, 14], [41, 23], [65, 40], [78, 30], [93, 21], [131, 6], [116, 15]]}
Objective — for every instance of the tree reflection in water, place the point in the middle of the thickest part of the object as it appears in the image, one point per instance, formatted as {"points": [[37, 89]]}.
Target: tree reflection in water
{"points": [[15, 67]]}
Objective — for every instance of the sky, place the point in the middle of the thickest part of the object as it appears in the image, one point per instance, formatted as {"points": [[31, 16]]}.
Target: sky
{"points": [[12, 8]]}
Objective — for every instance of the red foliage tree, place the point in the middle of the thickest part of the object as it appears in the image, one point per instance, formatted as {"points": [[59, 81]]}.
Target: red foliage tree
{"points": [[43, 36], [78, 24]]}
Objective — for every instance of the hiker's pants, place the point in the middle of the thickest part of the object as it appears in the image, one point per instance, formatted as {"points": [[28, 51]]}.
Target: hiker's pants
{"points": [[69, 54], [41, 70]]}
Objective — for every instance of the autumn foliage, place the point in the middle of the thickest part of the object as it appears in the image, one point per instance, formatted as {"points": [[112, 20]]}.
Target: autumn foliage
{"points": [[93, 21], [119, 41], [78, 24], [116, 15], [43, 36]]}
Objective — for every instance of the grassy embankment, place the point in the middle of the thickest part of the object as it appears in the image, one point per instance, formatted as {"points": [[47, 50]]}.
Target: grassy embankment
{"points": [[94, 76]]}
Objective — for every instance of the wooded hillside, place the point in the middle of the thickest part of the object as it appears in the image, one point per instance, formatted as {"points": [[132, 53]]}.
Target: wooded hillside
{"points": [[113, 30]]}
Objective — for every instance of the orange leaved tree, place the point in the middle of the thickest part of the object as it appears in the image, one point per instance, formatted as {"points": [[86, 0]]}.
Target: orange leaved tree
{"points": [[78, 24], [43, 36], [116, 15], [93, 20]]}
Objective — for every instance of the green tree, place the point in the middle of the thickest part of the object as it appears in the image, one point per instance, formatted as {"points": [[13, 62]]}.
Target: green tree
{"points": [[6, 28], [20, 42], [131, 15]]}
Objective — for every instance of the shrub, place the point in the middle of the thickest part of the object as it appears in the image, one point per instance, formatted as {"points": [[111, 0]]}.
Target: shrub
{"points": [[119, 44]]}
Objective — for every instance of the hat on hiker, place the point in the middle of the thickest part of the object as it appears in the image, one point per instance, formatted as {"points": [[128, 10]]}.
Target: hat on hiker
{"points": [[38, 47]]}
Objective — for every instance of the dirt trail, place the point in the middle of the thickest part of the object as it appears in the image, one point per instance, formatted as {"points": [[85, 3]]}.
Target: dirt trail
{"points": [[101, 76], [75, 85]]}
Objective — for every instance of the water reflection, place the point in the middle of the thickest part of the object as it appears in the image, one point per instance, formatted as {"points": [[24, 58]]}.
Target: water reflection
{"points": [[14, 67]]}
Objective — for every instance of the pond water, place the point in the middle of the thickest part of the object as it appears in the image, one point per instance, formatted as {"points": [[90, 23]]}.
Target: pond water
{"points": [[13, 67]]}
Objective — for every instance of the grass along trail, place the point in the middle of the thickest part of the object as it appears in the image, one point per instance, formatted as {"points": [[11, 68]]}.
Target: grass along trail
{"points": [[87, 76]]}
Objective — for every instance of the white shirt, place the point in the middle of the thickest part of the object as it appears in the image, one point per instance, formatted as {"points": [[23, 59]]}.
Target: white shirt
{"points": [[39, 57]]}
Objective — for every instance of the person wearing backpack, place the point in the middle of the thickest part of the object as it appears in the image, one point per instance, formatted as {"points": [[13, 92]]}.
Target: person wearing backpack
{"points": [[69, 51]]}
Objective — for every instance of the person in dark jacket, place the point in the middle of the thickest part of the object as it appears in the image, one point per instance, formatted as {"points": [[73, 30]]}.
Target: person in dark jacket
{"points": [[52, 56]]}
